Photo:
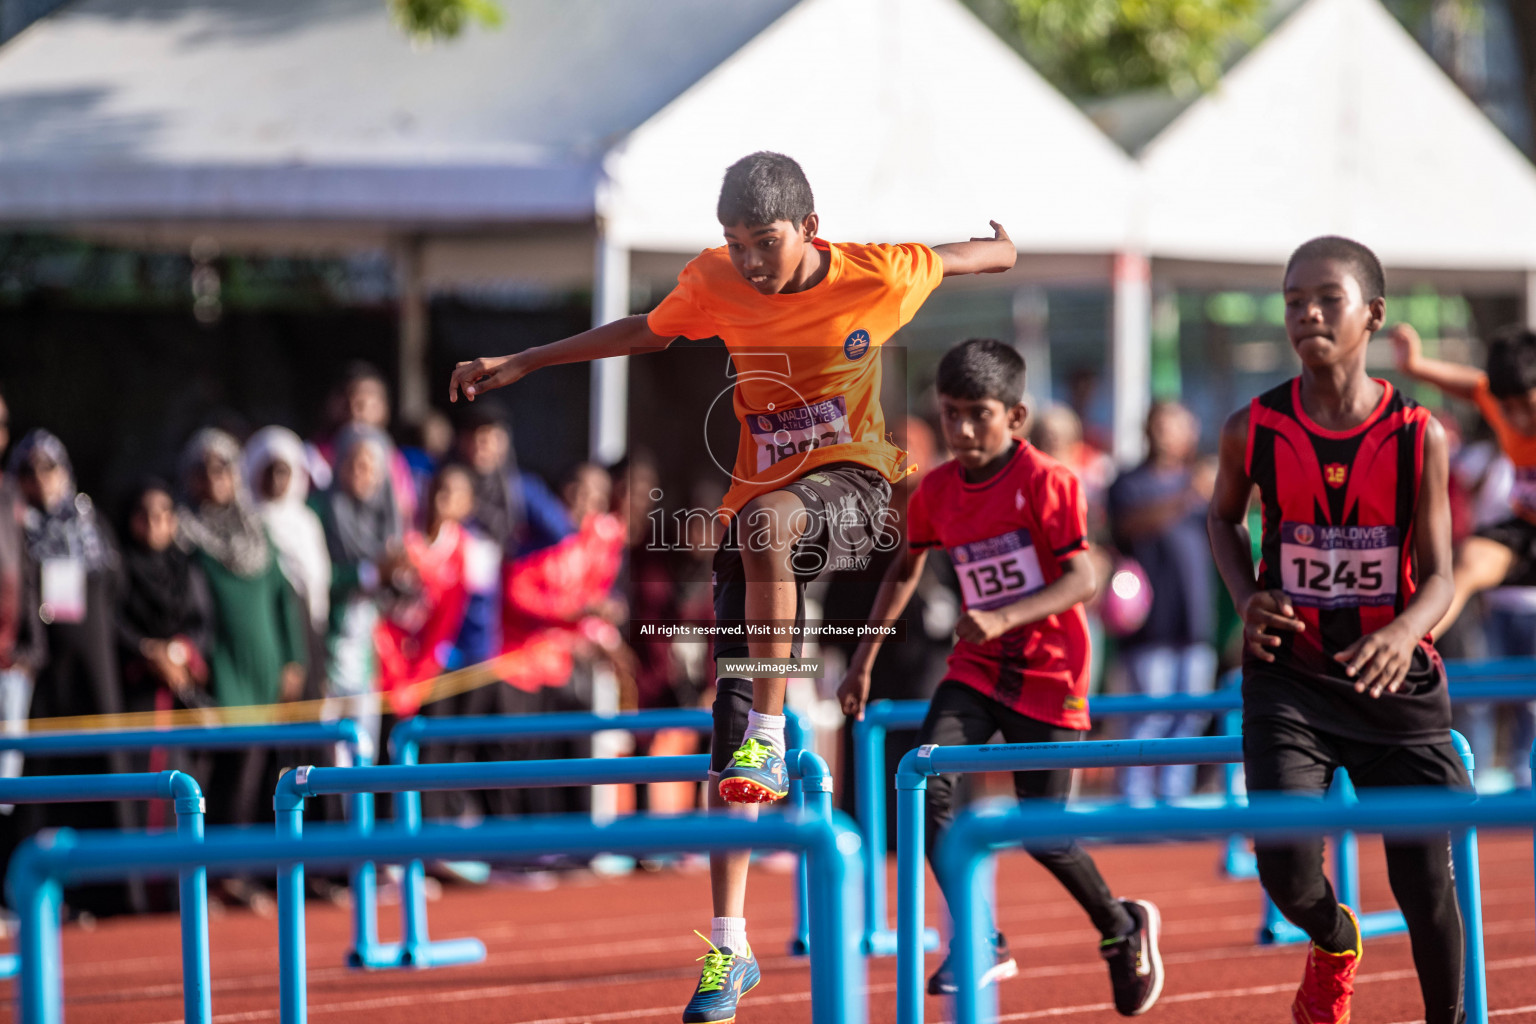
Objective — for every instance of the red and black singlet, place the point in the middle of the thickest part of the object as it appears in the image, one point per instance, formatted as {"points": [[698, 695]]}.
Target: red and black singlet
{"points": [[1339, 508]]}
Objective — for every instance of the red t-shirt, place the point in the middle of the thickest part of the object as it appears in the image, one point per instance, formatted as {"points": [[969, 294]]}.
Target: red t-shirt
{"points": [[1008, 537]]}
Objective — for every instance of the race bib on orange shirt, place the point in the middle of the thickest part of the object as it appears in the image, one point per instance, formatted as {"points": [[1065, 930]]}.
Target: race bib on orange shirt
{"points": [[788, 432], [997, 571], [1339, 566]]}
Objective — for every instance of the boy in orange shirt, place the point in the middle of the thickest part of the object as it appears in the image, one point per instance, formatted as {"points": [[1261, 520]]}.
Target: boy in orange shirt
{"points": [[1503, 554], [813, 472]]}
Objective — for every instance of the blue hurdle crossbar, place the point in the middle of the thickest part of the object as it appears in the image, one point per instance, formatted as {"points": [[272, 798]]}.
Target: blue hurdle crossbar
{"points": [[918, 765], [1494, 680], [415, 948], [407, 738], [45, 863], [192, 883], [365, 933], [983, 829], [1472, 681], [869, 755]]}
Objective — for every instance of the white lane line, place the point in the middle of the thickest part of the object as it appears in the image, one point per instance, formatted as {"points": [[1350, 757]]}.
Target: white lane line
{"points": [[504, 991]]}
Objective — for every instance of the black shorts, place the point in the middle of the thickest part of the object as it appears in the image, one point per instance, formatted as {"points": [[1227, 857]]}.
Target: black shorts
{"points": [[961, 715], [847, 504], [1520, 537], [1286, 756]]}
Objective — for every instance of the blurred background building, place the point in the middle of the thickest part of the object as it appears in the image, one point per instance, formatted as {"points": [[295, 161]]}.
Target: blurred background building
{"points": [[209, 207]]}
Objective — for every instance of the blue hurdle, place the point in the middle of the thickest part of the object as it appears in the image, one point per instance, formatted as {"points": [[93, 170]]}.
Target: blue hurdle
{"points": [[192, 883], [241, 737], [1492, 680], [1472, 681], [981, 830], [416, 949], [406, 739], [45, 863], [918, 765], [869, 754]]}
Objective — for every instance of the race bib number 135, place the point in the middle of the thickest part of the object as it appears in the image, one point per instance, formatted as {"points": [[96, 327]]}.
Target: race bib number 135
{"points": [[1339, 566], [997, 571]]}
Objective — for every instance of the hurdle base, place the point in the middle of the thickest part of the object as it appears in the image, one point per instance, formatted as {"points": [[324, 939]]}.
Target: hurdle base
{"points": [[882, 942], [1380, 922], [393, 956], [1240, 862]]}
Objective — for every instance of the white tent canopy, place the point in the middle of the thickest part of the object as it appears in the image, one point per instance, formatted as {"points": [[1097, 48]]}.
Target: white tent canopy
{"points": [[913, 121], [1339, 123], [320, 110]]}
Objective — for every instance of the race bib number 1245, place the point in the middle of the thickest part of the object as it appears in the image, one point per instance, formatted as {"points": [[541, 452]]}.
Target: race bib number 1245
{"points": [[1339, 566]]}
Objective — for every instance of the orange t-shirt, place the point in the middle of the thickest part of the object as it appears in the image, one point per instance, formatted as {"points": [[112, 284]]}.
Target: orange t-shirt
{"points": [[1521, 449], [807, 389]]}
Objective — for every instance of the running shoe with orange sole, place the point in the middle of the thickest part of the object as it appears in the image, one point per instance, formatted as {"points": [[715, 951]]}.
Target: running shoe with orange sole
{"points": [[1329, 982], [756, 775]]}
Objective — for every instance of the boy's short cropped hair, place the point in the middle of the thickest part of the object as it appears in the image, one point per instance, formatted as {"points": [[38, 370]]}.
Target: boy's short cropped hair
{"points": [[1512, 362], [981, 368], [1362, 262], [763, 188]]}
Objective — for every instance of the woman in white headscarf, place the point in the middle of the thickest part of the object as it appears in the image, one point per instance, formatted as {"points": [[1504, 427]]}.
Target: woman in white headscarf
{"points": [[275, 473]]}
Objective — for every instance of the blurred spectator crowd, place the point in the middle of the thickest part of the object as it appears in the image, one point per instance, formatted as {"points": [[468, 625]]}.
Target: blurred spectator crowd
{"points": [[357, 573]]}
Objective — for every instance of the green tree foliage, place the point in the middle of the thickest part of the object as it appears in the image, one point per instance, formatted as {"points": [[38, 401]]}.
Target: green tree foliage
{"points": [[1102, 47], [427, 21]]}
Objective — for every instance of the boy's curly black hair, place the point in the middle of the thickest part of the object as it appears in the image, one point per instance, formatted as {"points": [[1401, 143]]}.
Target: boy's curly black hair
{"points": [[763, 188]]}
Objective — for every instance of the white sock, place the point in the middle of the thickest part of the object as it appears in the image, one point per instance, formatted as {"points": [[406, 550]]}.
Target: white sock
{"points": [[767, 728], [729, 933]]}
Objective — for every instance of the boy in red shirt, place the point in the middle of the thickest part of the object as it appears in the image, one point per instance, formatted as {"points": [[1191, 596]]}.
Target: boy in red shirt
{"points": [[1014, 522], [802, 319]]}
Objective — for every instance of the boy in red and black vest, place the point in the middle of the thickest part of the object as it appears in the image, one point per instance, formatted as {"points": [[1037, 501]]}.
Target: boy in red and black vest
{"points": [[1338, 670], [1015, 525]]}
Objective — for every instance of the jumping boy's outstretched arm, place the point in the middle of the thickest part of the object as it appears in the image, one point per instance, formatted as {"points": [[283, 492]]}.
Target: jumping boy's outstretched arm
{"points": [[619, 338], [980, 255], [1452, 378]]}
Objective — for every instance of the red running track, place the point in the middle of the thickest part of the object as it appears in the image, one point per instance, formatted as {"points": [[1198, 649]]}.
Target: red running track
{"points": [[621, 950]]}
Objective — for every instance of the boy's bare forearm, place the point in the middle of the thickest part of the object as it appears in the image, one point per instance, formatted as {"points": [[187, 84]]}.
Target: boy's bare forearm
{"points": [[896, 590], [1433, 556], [632, 334], [1072, 587], [983, 256], [1226, 521], [1233, 552], [1452, 378]]}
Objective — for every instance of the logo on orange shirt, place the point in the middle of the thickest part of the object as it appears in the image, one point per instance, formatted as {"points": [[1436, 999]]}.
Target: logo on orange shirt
{"points": [[1074, 703], [1335, 473], [856, 344]]}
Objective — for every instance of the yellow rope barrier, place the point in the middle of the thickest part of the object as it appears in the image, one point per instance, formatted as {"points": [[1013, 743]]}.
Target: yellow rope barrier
{"points": [[450, 684]]}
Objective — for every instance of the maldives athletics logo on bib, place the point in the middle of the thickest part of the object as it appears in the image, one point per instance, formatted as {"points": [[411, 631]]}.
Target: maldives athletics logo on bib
{"points": [[856, 344]]}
